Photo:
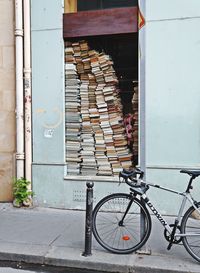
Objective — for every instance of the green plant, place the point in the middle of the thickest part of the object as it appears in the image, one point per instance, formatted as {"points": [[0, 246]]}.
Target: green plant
{"points": [[22, 194]]}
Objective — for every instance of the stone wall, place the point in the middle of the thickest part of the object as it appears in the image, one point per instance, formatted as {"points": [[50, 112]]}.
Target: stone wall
{"points": [[7, 99]]}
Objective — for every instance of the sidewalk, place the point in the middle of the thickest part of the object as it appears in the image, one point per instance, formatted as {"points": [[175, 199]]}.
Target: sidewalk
{"points": [[56, 237]]}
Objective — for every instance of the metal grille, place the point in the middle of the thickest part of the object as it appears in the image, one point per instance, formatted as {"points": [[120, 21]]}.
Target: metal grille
{"points": [[80, 196]]}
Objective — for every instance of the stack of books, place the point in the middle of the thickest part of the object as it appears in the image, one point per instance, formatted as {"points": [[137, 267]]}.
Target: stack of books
{"points": [[135, 119], [102, 143], [87, 87], [72, 114], [88, 164]]}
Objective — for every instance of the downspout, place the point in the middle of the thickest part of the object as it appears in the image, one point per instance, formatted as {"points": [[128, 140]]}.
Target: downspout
{"points": [[19, 90], [27, 91]]}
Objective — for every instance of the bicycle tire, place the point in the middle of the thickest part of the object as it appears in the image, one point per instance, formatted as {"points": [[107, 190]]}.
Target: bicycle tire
{"points": [[126, 238], [191, 223]]}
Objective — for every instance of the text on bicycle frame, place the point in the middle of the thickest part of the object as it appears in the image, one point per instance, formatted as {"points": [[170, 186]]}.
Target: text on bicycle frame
{"points": [[157, 214]]}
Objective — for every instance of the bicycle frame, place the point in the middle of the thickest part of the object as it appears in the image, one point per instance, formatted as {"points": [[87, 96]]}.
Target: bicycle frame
{"points": [[186, 197]]}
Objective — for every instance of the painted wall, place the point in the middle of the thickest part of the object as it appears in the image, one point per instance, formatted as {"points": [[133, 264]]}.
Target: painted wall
{"points": [[172, 93], [48, 100], [7, 99]]}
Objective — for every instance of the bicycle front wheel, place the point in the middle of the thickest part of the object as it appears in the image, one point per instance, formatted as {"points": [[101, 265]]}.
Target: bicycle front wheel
{"points": [[190, 226], [121, 223]]}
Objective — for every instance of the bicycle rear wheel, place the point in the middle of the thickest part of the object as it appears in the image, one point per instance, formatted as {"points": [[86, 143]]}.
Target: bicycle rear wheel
{"points": [[118, 235], [191, 227]]}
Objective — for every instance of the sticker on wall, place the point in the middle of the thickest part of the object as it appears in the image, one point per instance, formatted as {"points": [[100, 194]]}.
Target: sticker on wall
{"points": [[48, 133]]}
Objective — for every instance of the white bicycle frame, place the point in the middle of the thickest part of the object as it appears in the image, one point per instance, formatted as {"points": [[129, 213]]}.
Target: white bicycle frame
{"points": [[186, 197]]}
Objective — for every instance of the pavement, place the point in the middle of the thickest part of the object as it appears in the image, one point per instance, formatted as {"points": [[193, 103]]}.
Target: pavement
{"points": [[56, 237]]}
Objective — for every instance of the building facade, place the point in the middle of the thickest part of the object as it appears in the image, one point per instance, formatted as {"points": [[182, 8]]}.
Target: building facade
{"points": [[167, 72]]}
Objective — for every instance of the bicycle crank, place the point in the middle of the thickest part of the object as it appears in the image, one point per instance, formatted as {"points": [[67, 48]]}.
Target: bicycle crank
{"points": [[176, 239]]}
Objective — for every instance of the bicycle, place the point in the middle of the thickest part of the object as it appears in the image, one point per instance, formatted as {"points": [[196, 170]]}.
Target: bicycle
{"points": [[122, 222]]}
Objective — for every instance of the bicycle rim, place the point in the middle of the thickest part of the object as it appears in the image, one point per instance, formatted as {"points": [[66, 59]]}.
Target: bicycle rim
{"points": [[191, 227], [121, 238]]}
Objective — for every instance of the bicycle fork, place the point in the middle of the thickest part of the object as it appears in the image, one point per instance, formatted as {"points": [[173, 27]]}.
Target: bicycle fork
{"points": [[121, 222]]}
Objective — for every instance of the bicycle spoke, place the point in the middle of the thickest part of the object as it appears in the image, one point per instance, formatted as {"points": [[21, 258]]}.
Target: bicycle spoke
{"points": [[132, 236]]}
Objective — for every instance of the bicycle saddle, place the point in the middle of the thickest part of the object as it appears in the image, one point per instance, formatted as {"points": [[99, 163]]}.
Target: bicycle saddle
{"points": [[191, 172]]}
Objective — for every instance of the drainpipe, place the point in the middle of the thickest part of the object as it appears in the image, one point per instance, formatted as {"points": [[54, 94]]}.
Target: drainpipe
{"points": [[27, 90], [19, 90]]}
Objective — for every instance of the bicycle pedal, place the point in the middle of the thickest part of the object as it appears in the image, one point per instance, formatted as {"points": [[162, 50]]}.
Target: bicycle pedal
{"points": [[169, 246]]}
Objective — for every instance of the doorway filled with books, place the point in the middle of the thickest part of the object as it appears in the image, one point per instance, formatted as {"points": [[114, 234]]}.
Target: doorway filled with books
{"points": [[101, 104]]}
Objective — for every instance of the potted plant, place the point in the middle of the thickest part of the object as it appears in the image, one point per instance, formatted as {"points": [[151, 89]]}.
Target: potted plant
{"points": [[22, 194]]}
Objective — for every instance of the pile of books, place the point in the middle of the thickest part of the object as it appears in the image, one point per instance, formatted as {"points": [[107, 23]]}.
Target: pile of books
{"points": [[135, 119], [88, 164], [102, 147], [72, 113]]}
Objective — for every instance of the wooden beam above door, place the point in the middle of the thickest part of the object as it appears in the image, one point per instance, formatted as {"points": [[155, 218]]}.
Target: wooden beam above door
{"points": [[100, 22]]}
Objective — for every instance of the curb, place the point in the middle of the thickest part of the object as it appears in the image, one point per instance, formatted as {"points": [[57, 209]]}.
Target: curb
{"points": [[72, 258]]}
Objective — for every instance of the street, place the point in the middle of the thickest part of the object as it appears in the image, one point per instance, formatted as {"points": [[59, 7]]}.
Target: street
{"points": [[17, 267]]}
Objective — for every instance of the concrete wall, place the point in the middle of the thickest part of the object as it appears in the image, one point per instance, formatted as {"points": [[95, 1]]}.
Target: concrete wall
{"points": [[48, 102], [7, 99], [172, 94]]}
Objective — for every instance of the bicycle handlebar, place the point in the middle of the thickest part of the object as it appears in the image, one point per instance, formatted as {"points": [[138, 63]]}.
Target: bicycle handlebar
{"points": [[132, 176]]}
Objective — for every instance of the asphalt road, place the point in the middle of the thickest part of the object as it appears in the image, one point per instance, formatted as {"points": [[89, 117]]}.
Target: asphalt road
{"points": [[16, 267]]}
